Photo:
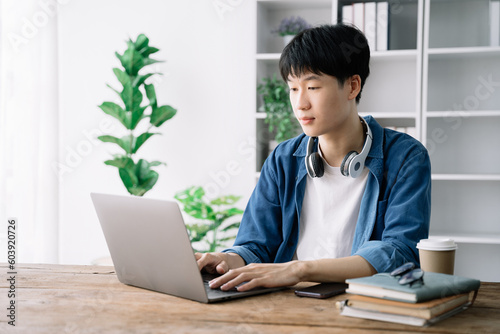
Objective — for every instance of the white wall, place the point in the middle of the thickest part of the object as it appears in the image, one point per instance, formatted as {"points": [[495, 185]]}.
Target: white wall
{"points": [[208, 76]]}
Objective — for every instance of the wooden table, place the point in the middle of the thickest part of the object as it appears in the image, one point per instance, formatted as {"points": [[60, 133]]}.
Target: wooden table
{"points": [[89, 299]]}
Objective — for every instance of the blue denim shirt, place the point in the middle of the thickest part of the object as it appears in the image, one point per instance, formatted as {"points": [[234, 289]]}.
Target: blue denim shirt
{"points": [[394, 213]]}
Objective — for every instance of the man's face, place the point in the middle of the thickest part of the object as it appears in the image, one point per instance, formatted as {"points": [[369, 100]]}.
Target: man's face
{"points": [[319, 103]]}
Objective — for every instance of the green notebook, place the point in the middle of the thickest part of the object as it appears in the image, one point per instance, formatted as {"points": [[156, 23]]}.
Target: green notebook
{"points": [[435, 286]]}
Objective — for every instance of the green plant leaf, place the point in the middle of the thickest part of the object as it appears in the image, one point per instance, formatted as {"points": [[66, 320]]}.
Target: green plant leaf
{"points": [[279, 112], [142, 139], [136, 116], [198, 210], [119, 161], [131, 60], [113, 89], [121, 76], [139, 80], [141, 170], [149, 61], [162, 114], [151, 94], [132, 97], [149, 181], [231, 227], [198, 231], [148, 51], [141, 42], [138, 178], [195, 193], [116, 111], [128, 177], [123, 142], [225, 200], [231, 212], [156, 163], [224, 240]]}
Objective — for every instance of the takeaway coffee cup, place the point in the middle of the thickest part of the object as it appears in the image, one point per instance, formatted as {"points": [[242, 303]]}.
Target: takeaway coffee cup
{"points": [[437, 255]]}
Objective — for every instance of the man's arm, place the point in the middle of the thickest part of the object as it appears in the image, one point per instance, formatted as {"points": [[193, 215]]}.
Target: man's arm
{"points": [[290, 273]]}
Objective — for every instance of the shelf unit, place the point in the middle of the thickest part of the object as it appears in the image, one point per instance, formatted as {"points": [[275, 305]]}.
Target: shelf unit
{"points": [[441, 77], [460, 123]]}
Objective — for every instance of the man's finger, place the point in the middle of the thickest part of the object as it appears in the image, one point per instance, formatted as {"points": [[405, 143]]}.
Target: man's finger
{"points": [[222, 268], [202, 261]]}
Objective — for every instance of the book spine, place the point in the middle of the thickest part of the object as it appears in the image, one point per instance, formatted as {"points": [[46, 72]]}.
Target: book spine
{"points": [[495, 22], [347, 14], [371, 24], [359, 15], [382, 26]]}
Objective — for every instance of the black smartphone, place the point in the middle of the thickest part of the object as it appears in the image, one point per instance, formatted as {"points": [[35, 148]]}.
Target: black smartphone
{"points": [[323, 290]]}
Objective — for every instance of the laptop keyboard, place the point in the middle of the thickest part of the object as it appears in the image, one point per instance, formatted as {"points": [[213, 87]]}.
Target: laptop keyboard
{"points": [[215, 292]]}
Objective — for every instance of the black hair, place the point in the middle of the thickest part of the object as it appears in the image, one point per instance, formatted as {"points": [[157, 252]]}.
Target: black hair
{"points": [[338, 50]]}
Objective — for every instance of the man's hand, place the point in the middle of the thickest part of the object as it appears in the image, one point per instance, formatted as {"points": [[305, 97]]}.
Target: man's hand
{"points": [[218, 263], [260, 275]]}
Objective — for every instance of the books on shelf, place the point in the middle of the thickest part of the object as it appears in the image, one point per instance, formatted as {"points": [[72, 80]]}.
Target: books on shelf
{"points": [[372, 18], [495, 22], [381, 297], [382, 26], [370, 27]]}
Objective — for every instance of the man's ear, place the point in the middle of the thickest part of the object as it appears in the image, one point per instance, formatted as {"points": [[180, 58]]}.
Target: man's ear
{"points": [[354, 83]]}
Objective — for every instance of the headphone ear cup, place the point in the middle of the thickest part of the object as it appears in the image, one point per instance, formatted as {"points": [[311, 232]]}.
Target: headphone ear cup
{"points": [[317, 165], [344, 166]]}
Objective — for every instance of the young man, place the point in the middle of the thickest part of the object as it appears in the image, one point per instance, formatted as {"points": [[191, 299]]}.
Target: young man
{"points": [[330, 227]]}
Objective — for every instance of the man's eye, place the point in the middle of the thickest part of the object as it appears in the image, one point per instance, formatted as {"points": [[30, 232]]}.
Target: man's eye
{"points": [[313, 88], [293, 89]]}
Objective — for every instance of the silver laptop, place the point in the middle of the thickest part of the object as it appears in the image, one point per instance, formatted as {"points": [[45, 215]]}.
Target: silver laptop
{"points": [[150, 248]]}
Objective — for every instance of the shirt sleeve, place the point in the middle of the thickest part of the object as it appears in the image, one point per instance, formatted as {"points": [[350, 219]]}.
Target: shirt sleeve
{"points": [[405, 216], [259, 235]]}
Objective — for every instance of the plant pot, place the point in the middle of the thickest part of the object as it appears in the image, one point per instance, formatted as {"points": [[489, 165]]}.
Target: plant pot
{"points": [[287, 39]]}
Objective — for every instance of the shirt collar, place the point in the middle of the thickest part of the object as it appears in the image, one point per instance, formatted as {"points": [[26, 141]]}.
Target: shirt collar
{"points": [[376, 151]]}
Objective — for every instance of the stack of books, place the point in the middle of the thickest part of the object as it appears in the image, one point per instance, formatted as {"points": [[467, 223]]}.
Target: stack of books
{"points": [[381, 297]]}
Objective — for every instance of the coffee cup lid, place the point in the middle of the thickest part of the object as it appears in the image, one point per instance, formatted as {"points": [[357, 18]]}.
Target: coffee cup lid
{"points": [[439, 244]]}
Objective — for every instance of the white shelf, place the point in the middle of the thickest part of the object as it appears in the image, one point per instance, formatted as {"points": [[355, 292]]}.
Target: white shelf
{"points": [[394, 55], [465, 177], [294, 4], [470, 238], [268, 56], [392, 115], [463, 52], [465, 114]]}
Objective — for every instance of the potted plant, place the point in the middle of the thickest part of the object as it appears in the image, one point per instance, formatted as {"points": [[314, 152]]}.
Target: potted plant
{"points": [[291, 26], [212, 214], [137, 176], [276, 105]]}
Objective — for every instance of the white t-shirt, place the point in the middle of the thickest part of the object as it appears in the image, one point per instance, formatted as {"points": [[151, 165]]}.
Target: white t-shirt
{"points": [[329, 214]]}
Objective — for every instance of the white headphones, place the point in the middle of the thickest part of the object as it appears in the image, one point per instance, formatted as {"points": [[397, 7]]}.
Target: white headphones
{"points": [[353, 163]]}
